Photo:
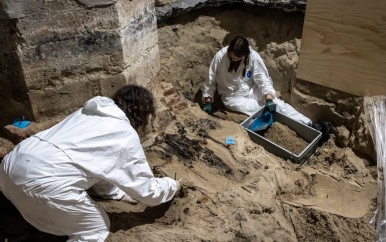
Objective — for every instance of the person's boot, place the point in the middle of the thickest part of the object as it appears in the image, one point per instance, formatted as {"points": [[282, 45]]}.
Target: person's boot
{"points": [[325, 128]]}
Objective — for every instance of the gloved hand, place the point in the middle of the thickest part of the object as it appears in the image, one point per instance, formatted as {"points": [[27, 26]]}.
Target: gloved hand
{"points": [[270, 105], [207, 107], [128, 199]]}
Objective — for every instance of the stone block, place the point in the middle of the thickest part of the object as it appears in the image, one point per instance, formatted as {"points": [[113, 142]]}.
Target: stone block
{"points": [[58, 54]]}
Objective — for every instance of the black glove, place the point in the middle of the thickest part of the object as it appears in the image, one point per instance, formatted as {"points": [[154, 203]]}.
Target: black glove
{"points": [[270, 105]]}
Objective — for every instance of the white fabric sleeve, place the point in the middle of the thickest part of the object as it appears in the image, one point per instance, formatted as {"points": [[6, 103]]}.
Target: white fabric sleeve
{"points": [[262, 78], [209, 86], [138, 181], [133, 175]]}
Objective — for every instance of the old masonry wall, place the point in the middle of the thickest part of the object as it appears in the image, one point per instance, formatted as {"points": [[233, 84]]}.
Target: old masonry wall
{"points": [[54, 55]]}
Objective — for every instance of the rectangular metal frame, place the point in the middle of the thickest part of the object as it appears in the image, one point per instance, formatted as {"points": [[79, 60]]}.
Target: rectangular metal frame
{"points": [[310, 135]]}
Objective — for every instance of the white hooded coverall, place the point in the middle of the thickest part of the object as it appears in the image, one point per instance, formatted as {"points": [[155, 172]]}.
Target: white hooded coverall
{"points": [[244, 94], [46, 175]]}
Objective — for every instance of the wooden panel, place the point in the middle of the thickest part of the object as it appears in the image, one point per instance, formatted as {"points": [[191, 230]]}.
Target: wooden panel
{"points": [[344, 46]]}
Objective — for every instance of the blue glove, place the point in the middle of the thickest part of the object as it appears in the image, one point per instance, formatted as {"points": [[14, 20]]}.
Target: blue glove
{"points": [[270, 105], [207, 107]]}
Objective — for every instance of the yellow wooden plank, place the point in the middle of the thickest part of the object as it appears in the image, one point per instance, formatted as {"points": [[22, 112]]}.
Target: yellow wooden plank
{"points": [[344, 46]]}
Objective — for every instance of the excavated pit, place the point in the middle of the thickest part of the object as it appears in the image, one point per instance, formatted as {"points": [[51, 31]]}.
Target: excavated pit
{"points": [[187, 45], [237, 192]]}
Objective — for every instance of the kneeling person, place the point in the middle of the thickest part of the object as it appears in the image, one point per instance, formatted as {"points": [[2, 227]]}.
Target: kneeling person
{"points": [[242, 80], [46, 176]]}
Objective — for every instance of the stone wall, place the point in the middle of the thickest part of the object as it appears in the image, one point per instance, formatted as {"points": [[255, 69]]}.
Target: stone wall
{"points": [[54, 55], [167, 9], [139, 40]]}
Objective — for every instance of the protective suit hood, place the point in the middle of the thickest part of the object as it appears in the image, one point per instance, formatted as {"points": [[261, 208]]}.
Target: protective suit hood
{"points": [[104, 107]]}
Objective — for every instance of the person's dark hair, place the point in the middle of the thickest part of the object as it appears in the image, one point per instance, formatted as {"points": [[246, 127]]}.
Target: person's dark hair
{"points": [[137, 103], [240, 47]]}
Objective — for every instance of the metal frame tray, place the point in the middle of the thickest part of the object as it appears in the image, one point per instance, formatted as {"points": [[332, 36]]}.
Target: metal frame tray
{"points": [[310, 135]]}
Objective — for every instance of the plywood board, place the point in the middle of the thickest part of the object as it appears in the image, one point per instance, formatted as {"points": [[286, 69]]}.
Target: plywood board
{"points": [[344, 46]]}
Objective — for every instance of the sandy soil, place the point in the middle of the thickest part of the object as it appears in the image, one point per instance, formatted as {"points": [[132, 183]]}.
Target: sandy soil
{"points": [[236, 192], [286, 138]]}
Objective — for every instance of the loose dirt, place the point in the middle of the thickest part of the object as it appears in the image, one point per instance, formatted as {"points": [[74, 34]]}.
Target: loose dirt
{"points": [[286, 138]]}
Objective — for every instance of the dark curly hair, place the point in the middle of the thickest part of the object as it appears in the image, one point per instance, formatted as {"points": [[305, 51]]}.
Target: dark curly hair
{"points": [[137, 103]]}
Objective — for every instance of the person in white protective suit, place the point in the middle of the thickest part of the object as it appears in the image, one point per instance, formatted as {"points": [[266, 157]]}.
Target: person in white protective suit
{"points": [[46, 176], [243, 82]]}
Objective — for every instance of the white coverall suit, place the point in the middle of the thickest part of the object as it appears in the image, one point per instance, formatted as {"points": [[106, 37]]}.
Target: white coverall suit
{"points": [[244, 94], [46, 175]]}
